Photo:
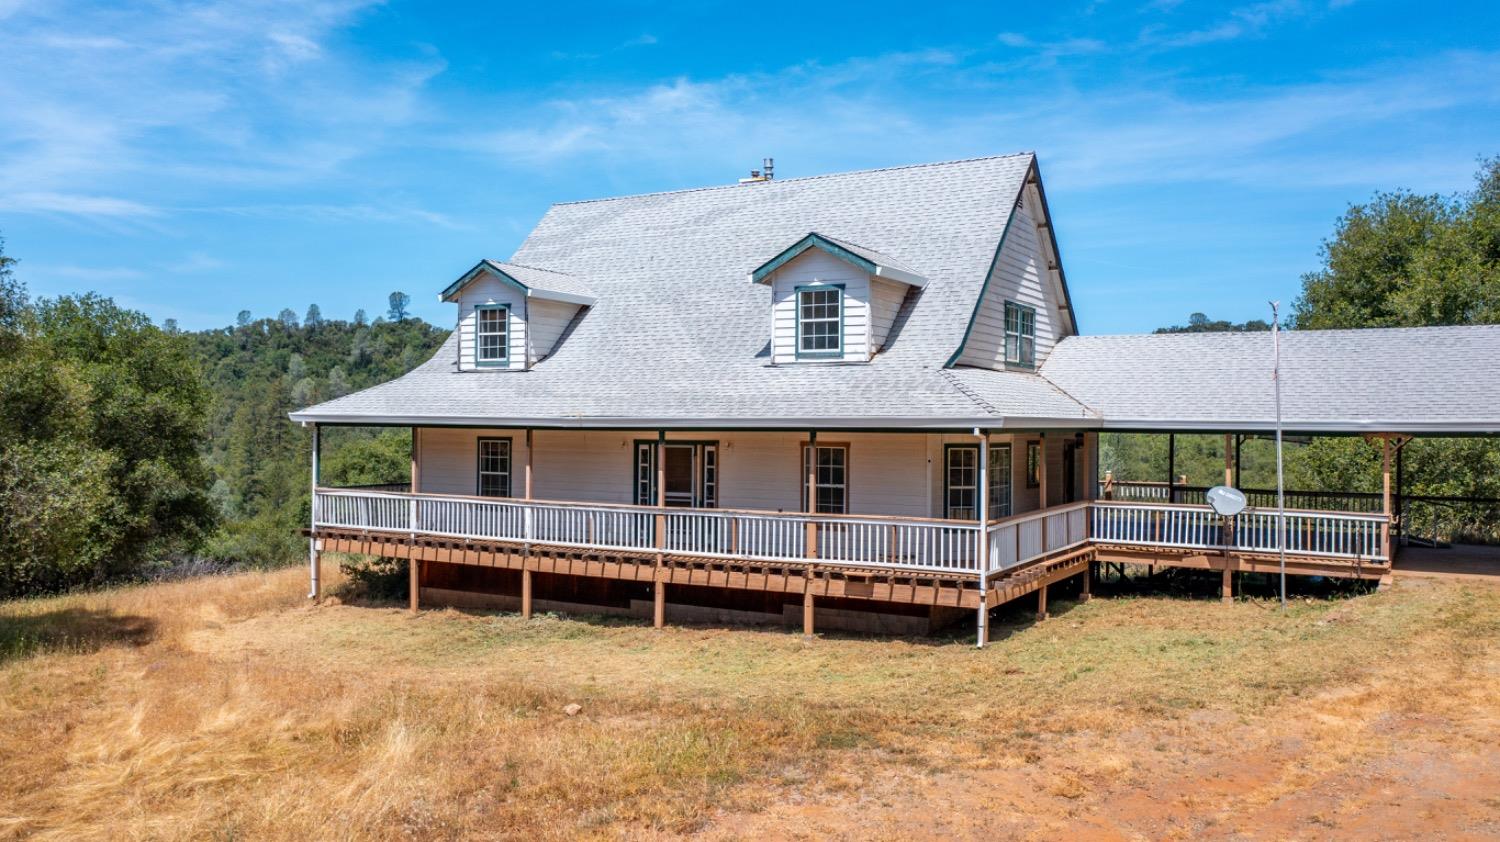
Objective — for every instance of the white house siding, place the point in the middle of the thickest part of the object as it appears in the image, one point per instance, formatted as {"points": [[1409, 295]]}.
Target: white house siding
{"points": [[889, 473], [487, 289], [885, 302], [816, 267], [1019, 275], [545, 322]]}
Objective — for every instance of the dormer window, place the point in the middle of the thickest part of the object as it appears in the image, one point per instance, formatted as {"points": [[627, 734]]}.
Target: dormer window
{"points": [[832, 300], [492, 331], [820, 321]]}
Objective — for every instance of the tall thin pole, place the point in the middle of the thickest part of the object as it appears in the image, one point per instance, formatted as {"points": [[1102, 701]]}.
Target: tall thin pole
{"points": [[1280, 478]]}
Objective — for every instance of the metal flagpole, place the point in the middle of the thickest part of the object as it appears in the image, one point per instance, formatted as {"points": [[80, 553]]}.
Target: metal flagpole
{"points": [[1280, 480]]}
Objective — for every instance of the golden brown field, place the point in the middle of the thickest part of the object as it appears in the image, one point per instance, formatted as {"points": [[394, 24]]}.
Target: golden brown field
{"points": [[227, 708]]}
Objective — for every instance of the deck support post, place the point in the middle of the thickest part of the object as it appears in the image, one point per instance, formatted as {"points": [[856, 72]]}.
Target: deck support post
{"points": [[1088, 583], [659, 604], [807, 604], [526, 593], [1226, 587], [1041, 603], [414, 566]]}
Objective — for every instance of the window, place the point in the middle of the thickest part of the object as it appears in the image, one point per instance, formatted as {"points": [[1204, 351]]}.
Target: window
{"points": [[1020, 334], [999, 481], [645, 473], [494, 467], [491, 335], [1033, 464], [820, 321], [828, 468], [961, 481]]}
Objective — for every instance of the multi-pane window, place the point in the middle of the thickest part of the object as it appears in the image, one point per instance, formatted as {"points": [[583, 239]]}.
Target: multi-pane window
{"points": [[962, 482], [820, 321], [491, 335], [494, 467], [1033, 464], [827, 466], [999, 481], [645, 474], [1020, 334]]}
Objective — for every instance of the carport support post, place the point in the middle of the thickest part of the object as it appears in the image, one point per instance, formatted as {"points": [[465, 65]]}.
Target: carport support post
{"points": [[1385, 496]]}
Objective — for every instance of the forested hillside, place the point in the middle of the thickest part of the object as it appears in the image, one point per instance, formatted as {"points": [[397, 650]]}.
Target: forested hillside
{"points": [[262, 369]]}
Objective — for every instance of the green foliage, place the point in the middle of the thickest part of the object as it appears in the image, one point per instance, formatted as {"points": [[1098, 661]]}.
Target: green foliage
{"points": [[1408, 260], [264, 369], [101, 418], [1199, 323]]}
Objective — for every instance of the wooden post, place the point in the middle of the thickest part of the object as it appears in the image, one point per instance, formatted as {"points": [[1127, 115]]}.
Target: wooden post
{"points": [[1091, 466], [1228, 461], [1226, 588], [1171, 468], [416, 462], [1041, 603], [807, 608], [811, 541], [415, 567], [317, 576], [528, 463], [659, 609], [1239, 441], [1041, 458], [661, 490], [1088, 583], [1385, 496], [314, 562], [525, 593], [982, 537]]}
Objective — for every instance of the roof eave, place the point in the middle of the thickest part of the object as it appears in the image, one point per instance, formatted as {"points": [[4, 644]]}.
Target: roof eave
{"points": [[659, 423]]}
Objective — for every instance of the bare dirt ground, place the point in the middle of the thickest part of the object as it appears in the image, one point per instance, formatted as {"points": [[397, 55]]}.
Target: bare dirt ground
{"points": [[227, 708]]}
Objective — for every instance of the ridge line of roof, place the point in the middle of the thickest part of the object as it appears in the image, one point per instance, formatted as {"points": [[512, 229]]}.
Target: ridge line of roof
{"points": [[529, 266], [1080, 337], [1029, 153]]}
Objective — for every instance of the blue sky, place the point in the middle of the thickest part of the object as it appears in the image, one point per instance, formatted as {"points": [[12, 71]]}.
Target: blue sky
{"points": [[193, 160]]}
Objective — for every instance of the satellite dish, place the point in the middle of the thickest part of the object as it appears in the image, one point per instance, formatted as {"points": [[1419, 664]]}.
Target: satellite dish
{"points": [[1227, 501]]}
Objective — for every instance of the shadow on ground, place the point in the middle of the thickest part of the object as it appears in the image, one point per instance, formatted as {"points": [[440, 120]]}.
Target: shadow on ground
{"points": [[70, 630]]}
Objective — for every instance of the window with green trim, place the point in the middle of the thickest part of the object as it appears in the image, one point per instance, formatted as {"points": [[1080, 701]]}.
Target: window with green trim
{"points": [[494, 467], [491, 335], [1020, 334], [820, 321]]}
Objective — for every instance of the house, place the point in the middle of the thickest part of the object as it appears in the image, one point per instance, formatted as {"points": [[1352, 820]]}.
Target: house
{"points": [[862, 397]]}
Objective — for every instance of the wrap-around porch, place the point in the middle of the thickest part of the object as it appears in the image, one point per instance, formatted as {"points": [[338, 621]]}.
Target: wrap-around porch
{"points": [[881, 517]]}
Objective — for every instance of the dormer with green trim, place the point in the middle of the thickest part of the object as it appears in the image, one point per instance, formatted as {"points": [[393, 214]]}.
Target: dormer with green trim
{"points": [[832, 301], [511, 317]]}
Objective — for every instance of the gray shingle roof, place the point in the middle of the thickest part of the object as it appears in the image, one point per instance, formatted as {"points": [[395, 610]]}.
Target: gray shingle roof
{"points": [[545, 283], [1427, 379], [678, 336]]}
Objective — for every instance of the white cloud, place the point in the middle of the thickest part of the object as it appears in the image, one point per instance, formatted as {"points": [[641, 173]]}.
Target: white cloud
{"points": [[75, 205]]}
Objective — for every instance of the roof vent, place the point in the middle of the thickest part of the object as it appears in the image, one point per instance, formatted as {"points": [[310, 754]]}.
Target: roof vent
{"points": [[765, 174]]}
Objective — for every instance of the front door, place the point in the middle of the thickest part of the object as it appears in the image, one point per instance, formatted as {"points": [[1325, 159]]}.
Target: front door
{"points": [[1070, 472], [680, 475], [690, 473]]}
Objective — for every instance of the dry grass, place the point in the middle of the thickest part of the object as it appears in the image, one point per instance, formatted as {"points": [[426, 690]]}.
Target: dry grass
{"points": [[226, 708]]}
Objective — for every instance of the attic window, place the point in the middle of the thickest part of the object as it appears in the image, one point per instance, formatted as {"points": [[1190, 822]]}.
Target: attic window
{"points": [[492, 335], [1020, 334], [820, 321]]}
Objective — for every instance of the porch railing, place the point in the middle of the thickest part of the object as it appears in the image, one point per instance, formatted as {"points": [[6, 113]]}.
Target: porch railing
{"points": [[1136, 491], [1322, 534], [912, 544]]}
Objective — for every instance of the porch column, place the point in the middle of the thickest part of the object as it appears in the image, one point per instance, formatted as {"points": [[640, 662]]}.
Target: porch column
{"points": [[1171, 468], [1041, 458], [526, 565], [812, 494], [528, 463], [1239, 442], [314, 558], [1385, 496], [1090, 466], [982, 537], [659, 595], [1228, 461], [416, 460]]}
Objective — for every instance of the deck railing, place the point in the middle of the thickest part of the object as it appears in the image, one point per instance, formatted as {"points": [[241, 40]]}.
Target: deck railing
{"points": [[1321, 534], [908, 544], [1136, 491]]}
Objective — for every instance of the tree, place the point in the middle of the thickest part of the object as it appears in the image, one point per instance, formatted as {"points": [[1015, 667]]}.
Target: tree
{"points": [[314, 316], [399, 302], [287, 318], [360, 319], [243, 319], [1404, 259], [102, 416], [12, 293], [1200, 323]]}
